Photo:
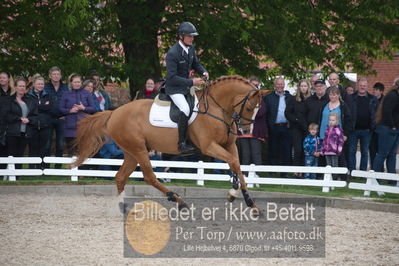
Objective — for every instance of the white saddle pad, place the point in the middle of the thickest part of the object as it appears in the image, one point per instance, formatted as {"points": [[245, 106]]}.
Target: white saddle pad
{"points": [[159, 115]]}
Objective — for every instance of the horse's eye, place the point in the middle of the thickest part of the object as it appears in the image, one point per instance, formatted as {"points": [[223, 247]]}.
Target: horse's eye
{"points": [[249, 109]]}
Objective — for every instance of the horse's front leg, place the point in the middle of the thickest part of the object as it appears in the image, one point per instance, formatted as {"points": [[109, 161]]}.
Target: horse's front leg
{"points": [[235, 167], [230, 155]]}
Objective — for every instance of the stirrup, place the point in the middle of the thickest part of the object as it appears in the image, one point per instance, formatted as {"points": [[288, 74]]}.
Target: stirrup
{"points": [[185, 148]]}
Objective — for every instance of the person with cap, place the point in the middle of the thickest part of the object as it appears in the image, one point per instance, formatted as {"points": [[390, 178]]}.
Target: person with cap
{"points": [[315, 103], [180, 60]]}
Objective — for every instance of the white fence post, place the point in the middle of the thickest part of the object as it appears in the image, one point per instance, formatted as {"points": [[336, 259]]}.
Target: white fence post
{"points": [[372, 182], [74, 178], [11, 166], [251, 174], [327, 177], [200, 172]]}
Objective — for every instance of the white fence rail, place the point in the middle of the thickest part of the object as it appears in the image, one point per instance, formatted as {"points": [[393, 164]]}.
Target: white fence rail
{"points": [[10, 173], [372, 182], [200, 171]]}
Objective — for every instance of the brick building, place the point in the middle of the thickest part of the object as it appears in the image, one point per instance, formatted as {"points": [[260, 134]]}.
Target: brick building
{"points": [[386, 70]]}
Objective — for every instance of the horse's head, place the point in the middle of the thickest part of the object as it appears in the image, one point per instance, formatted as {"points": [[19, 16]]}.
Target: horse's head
{"points": [[238, 98], [244, 111]]}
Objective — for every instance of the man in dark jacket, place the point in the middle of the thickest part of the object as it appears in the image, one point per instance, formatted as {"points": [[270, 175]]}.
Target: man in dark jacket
{"points": [[373, 146], [180, 59], [280, 138], [56, 88], [40, 133], [315, 103], [363, 106]]}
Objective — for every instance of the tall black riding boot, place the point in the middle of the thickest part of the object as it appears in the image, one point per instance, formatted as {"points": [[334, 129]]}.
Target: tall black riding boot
{"points": [[182, 128]]}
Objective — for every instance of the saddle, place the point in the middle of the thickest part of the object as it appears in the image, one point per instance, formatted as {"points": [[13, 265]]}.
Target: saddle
{"points": [[164, 100]]}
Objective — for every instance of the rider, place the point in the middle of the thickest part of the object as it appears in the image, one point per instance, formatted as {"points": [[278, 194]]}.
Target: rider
{"points": [[180, 59]]}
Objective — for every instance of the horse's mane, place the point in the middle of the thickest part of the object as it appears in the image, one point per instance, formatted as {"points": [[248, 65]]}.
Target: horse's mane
{"points": [[230, 78]]}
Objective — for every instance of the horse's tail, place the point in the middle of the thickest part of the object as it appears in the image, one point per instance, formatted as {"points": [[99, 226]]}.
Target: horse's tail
{"points": [[90, 135]]}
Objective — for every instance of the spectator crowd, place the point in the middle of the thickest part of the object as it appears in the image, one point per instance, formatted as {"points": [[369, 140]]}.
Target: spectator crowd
{"points": [[33, 116], [323, 125], [316, 126]]}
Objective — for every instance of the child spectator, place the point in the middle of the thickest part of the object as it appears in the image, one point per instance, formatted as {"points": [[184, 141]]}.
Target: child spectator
{"points": [[333, 140], [312, 149]]}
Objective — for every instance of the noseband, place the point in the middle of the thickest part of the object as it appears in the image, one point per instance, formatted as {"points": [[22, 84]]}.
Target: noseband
{"points": [[237, 117]]}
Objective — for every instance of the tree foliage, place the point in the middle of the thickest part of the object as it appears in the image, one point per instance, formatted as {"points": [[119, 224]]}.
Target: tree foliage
{"points": [[129, 38]]}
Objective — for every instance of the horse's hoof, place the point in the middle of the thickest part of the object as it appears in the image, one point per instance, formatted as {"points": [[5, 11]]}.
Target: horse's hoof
{"points": [[183, 206], [230, 198], [256, 211]]}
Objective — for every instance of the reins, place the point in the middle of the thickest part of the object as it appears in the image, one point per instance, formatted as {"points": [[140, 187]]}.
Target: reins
{"points": [[235, 117]]}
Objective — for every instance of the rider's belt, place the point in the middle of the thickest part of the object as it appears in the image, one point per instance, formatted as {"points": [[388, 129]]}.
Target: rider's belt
{"points": [[281, 124]]}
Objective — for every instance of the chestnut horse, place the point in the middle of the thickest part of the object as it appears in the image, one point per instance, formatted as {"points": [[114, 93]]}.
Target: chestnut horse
{"points": [[223, 104]]}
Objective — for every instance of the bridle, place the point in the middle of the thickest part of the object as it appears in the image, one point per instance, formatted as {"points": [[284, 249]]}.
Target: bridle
{"points": [[236, 117]]}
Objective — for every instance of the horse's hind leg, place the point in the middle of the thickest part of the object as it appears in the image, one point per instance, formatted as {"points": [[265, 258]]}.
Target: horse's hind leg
{"points": [[151, 179], [128, 166]]}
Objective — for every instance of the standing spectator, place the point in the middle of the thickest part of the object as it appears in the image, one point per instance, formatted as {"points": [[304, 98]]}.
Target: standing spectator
{"points": [[333, 79], [315, 103], [40, 133], [159, 83], [277, 123], [74, 104], [336, 105], [251, 137], [314, 106], [312, 83], [349, 90], [21, 118], [312, 149], [378, 91], [387, 119], [88, 85], [6, 89], [99, 91], [363, 107], [6, 84], [148, 92], [295, 113], [333, 142], [56, 88]]}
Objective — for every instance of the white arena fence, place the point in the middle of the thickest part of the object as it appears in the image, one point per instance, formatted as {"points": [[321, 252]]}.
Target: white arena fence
{"points": [[200, 174], [372, 183]]}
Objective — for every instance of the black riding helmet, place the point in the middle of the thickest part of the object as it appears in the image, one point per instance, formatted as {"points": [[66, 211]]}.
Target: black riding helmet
{"points": [[187, 28]]}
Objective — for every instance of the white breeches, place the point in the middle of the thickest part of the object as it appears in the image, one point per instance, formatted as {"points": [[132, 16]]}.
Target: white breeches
{"points": [[181, 103]]}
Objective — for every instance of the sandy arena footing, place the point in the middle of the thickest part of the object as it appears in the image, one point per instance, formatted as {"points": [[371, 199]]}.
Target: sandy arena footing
{"points": [[88, 230]]}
